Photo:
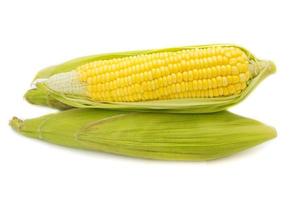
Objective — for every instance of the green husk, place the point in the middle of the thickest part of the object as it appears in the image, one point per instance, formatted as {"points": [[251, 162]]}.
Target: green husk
{"points": [[149, 135], [195, 105], [44, 98]]}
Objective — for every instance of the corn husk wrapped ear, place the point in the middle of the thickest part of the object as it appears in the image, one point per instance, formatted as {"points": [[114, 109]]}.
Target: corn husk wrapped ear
{"points": [[149, 135], [260, 69]]}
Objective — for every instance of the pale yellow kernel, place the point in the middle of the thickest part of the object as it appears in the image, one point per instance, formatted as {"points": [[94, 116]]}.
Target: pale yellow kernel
{"points": [[209, 52], [223, 70], [225, 81], [209, 61], [225, 60], [233, 61], [183, 63], [242, 77], [193, 63], [205, 62], [201, 63], [228, 54], [174, 78], [234, 70], [89, 80]]}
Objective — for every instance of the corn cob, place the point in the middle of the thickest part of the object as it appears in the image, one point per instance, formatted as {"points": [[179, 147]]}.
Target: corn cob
{"points": [[188, 79], [149, 135]]}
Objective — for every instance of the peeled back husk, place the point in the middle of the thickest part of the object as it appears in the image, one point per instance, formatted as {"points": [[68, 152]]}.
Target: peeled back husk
{"points": [[149, 135], [194, 105]]}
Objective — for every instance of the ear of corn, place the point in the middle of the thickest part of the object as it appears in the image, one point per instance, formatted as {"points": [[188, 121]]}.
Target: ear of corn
{"points": [[149, 135], [197, 79]]}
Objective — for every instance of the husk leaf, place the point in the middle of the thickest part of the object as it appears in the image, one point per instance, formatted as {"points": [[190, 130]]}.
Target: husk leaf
{"points": [[149, 135]]}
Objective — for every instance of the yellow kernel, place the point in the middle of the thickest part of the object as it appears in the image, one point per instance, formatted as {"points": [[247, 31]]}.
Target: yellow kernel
{"points": [[199, 84], [233, 61], [225, 91], [195, 85], [234, 70], [190, 75], [215, 92], [210, 93], [208, 72], [204, 84], [231, 89], [204, 73], [169, 78], [173, 78], [214, 72], [209, 83], [195, 74], [220, 90], [223, 70], [219, 81], [185, 76], [190, 86], [229, 79], [235, 79], [244, 85], [214, 83], [247, 75], [224, 81], [242, 77]]}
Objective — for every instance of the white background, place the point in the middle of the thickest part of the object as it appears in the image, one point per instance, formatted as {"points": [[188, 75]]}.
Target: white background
{"points": [[36, 34]]}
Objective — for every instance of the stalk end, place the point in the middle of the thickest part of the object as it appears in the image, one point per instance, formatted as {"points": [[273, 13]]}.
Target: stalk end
{"points": [[16, 124]]}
